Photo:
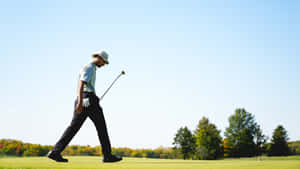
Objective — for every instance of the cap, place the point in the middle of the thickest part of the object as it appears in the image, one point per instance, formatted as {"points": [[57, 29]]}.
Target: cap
{"points": [[102, 54]]}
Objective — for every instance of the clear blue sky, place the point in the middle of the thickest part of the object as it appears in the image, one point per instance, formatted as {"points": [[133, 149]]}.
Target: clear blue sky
{"points": [[184, 60]]}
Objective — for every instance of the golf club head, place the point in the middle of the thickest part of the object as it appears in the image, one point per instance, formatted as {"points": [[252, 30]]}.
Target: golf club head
{"points": [[123, 72]]}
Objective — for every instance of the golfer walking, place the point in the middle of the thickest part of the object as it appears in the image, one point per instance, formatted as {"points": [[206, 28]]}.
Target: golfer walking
{"points": [[87, 105]]}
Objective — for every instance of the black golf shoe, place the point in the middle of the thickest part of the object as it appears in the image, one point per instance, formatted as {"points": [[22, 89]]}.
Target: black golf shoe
{"points": [[56, 157], [111, 159]]}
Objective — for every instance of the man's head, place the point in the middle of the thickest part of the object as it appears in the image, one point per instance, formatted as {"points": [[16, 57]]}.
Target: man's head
{"points": [[100, 58]]}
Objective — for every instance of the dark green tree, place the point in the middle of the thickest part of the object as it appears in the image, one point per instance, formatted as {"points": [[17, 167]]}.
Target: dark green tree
{"points": [[279, 145], [185, 142], [260, 139], [241, 133], [208, 140]]}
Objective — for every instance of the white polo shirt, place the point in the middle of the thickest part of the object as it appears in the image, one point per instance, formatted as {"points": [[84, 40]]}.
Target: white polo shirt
{"points": [[88, 74]]}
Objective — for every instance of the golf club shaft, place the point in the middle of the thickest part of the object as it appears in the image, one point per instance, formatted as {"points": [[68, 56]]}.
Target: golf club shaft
{"points": [[110, 86]]}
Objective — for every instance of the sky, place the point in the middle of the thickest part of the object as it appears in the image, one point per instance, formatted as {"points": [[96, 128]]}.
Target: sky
{"points": [[183, 60]]}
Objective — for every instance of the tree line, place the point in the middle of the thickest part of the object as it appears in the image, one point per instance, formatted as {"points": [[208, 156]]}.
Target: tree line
{"points": [[12, 147], [243, 138]]}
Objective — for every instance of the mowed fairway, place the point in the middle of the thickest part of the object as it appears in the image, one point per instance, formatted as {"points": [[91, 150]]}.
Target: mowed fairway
{"points": [[88, 162]]}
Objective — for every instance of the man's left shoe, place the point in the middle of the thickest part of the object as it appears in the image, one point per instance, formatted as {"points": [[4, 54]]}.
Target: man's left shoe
{"points": [[56, 156], [111, 159]]}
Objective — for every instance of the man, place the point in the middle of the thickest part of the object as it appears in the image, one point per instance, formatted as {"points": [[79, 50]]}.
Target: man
{"points": [[87, 105]]}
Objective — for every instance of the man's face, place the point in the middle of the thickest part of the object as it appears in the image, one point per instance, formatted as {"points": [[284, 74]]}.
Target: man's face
{"points": [[99, 61]]}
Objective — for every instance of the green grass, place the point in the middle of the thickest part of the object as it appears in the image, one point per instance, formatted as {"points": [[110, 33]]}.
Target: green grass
{"points": [[92, 162]]}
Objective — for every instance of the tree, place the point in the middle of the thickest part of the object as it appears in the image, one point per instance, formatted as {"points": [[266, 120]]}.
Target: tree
{"points": [[226, 148], [241, 133], [260, 139], [279, 145], [185, 142], [208, 140]]}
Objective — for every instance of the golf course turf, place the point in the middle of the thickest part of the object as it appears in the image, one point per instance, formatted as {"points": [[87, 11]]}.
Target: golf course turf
{"points": [[93, 162]]}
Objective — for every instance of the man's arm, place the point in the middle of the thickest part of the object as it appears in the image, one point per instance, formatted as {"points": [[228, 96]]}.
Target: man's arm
{"points": [[80, 90], [85, 76]]}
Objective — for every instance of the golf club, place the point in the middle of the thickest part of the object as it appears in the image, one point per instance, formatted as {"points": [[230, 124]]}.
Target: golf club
{"points": [[122, 73]]}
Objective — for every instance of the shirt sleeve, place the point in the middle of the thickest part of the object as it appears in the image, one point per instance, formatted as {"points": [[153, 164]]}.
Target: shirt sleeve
{"points": [[86, 74]]}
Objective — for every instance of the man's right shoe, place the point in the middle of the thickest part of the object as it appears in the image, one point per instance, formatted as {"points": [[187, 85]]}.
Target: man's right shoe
{"points": [[56, 156], [111, 159]]}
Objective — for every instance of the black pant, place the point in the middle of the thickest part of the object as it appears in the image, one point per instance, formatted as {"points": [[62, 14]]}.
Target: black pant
{"points": [[94, 111]]}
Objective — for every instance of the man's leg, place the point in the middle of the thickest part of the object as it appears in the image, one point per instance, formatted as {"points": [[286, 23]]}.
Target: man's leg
{"points": [[96, 115], [72, 129]]}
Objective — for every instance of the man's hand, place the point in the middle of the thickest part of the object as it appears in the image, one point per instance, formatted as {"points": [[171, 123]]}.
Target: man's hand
{"points": [[78, 108]]}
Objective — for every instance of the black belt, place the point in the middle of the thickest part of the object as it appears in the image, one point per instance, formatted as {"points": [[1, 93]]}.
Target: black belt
{"points": [[89, 93]]}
